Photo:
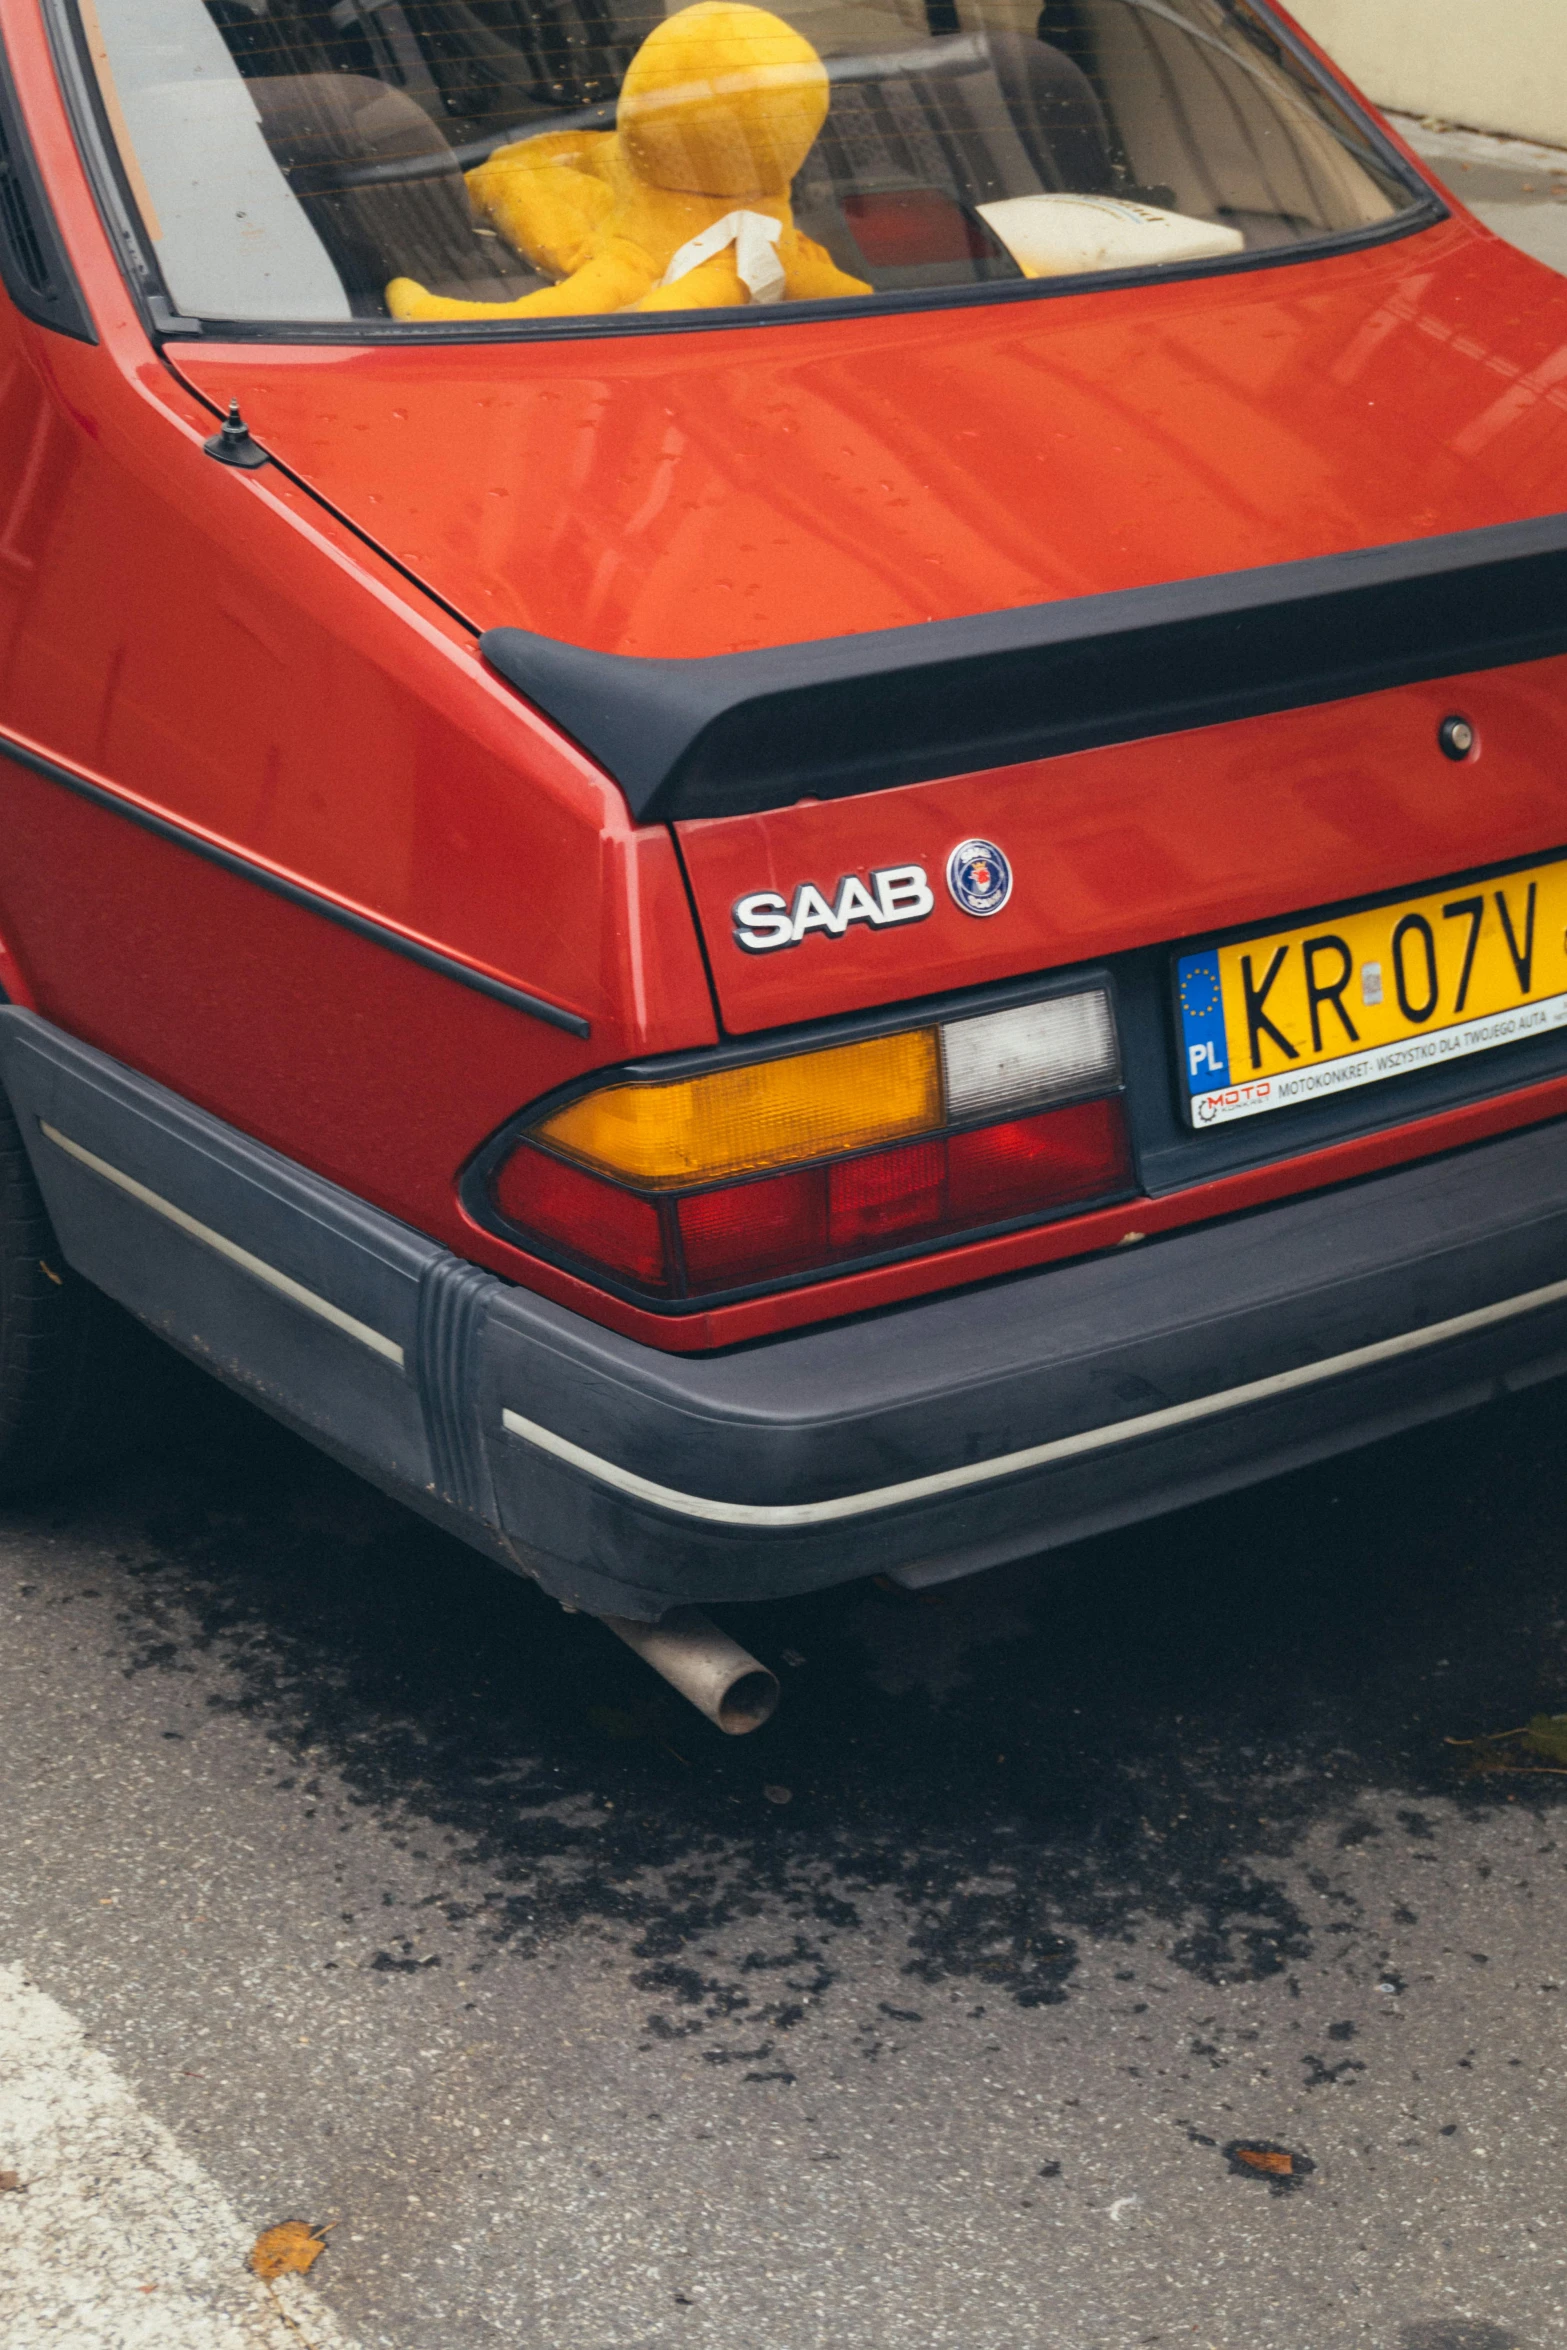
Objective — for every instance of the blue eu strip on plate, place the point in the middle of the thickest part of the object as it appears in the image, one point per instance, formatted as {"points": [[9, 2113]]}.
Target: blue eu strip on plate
{"points": [[1201, 1000]]}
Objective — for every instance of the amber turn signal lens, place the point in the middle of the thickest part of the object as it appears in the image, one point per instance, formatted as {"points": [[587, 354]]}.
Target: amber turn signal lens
{"points": [[771, 1114]]}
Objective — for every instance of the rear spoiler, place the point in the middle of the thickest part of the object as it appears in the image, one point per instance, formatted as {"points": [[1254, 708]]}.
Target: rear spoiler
{"points": [[738, 732]]}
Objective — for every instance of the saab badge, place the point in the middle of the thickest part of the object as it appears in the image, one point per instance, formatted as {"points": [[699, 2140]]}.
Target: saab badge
{"points": [[764, 920], [979, 877]]}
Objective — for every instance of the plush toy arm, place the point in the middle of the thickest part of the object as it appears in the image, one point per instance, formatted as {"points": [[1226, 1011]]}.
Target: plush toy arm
{"points": [[578, 150], [811, 274], [546, 197], [710, 286], [611, 281]]}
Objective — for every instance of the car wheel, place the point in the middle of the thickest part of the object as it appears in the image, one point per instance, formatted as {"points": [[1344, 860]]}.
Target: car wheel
{"points": [[73, 1374]]}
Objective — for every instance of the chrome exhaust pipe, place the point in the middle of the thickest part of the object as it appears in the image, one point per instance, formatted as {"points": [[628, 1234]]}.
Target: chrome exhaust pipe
{"points": [[718, 1676]]}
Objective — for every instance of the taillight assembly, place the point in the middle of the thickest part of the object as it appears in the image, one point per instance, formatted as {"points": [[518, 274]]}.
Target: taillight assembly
{"points": [[686, 1187]]}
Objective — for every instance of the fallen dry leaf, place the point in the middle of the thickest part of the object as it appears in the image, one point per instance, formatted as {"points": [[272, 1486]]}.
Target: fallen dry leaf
{"points": [[1540, 1747], [286, 2250], [11, 2183], [1258, 2158], [1547, 1736]]}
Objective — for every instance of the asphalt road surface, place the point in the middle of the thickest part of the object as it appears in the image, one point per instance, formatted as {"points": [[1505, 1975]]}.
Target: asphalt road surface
{"points": [[390, 1897]]}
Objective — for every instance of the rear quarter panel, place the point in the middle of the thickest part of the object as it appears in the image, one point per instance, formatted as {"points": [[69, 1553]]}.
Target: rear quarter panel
{"points": [[216, 646]]}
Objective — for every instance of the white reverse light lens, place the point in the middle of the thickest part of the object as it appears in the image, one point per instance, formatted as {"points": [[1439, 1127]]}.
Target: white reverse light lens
{"points": [[1037, 1053]]}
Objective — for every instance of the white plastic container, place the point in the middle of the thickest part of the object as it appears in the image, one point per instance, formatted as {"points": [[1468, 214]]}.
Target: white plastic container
{"points": [[1060, 236]]}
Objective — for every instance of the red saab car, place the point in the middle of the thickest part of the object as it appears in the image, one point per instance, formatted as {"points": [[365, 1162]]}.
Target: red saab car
{"points": [[783, 794]]}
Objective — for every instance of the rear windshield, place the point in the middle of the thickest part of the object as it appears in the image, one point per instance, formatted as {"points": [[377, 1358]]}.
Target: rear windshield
{"points": [[496, 161]]}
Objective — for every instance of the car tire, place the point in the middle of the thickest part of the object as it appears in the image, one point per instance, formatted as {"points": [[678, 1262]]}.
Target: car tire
{"points": [[74, 1385]]}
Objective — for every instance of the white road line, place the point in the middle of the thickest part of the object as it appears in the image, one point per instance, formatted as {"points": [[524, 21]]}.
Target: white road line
{"points": [[1032, 1456], [256, 1267], [121, 2241]]}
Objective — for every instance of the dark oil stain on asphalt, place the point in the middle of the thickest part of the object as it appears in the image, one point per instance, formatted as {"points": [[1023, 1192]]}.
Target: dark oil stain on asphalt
{"points": [[1449, 2333], [1081, 1750]]}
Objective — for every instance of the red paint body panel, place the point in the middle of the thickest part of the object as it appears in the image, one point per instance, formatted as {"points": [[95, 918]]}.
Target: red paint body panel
{"points": [[1145, 842], [212, 644], [268, 662], [699, 492], [215, 646]]}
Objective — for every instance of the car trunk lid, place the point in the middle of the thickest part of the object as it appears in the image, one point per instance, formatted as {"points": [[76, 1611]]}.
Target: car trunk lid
{"points": [[681, 500]]}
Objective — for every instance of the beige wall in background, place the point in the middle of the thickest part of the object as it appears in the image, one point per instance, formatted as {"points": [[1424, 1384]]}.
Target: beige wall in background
{"points": [[1492, 65]]}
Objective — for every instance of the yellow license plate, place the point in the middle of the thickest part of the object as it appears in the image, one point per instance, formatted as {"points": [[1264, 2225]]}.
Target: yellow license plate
{"points": [[1268, 1023]]}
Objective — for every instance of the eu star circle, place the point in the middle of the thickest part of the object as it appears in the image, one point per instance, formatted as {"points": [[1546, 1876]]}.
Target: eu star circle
{"points": [[1201, 993], [979, 877]]}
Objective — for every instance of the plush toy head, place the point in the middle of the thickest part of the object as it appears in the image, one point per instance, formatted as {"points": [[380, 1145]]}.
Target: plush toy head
{"points": [[723, 100]]}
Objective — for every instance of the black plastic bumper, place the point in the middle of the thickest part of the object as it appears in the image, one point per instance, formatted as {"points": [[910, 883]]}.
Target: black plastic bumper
{"points": [[926, 1440]]}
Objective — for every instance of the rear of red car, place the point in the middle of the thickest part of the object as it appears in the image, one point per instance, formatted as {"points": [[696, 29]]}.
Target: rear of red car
{"points": [[742, 947]]}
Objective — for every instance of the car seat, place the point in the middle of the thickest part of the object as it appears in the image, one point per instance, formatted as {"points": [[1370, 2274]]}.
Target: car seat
{"points": [[320, 127], [917, 138]]}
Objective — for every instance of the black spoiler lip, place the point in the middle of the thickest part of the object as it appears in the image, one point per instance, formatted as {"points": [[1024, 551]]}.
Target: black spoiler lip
{"points": [[738, 732]]}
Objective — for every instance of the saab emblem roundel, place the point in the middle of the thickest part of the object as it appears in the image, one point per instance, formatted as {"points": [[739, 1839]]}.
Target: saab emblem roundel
{"points": [[979, 877]]}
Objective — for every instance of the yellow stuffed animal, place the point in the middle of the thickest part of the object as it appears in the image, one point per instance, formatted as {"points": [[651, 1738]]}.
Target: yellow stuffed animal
{"points": [[685, 204]]}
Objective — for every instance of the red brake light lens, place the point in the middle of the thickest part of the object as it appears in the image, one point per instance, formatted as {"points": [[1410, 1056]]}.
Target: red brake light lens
{"points": [[564, 1203], [875, 1201], [921, 1191], [1060, 1158], [778, 1224]]}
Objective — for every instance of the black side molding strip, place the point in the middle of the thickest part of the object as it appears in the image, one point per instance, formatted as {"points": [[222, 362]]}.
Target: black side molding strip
{"points": [[34, 267], [380, 934], [743, 731]]}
